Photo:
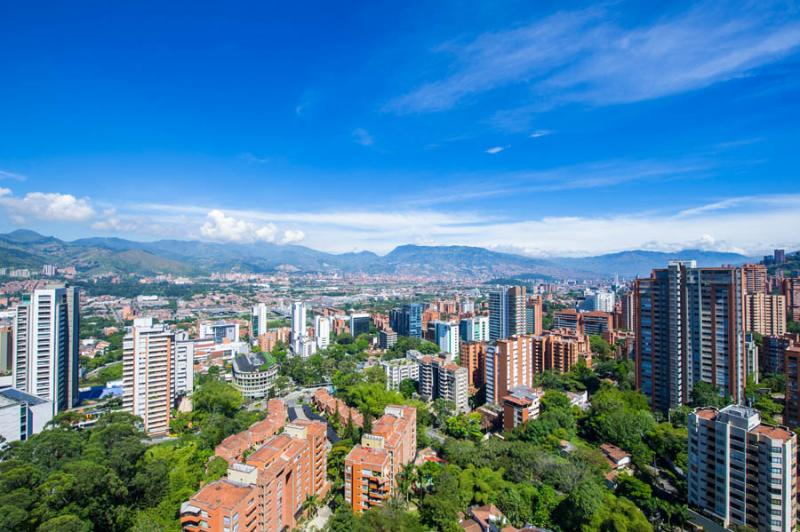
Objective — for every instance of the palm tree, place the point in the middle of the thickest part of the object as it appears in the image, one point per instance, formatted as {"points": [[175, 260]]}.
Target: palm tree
{"points": [[405, 479], [311, 505]]}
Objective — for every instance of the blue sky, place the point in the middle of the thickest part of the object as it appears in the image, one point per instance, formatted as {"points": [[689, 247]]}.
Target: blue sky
{"points": [[538, 127]]}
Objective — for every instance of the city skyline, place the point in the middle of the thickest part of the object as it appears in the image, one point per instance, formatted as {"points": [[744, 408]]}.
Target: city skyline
{"points": [[577, 131]]}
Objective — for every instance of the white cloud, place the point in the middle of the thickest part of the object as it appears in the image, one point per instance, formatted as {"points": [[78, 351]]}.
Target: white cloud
{"points": [[494, 150], [540, 133], [5, 174], [48, 206], [292, 235], [586, 56], [362, 136], [222, 228]]}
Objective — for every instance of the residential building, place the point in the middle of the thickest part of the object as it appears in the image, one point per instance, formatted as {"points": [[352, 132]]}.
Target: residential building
{"points": [[791, 411], [234, 447], [447, 338], [331, 406], [568, 318], [506, 312], [628, 311], [371, 468], [765, 314], [268, 490], [601, 300], [690, 328], [474, 329], [560, 350], [147, 381], [46, 328], [22, 415], [596, 322], [6, 349], [222, 332], [359, 323], [441, 379], [509, 363], [254, 374], [407, 320], [751, 357], [742, 472], [533, 316], [791, 291], [322, 331], [299, 331], [774, 351], [183, 365], [755, 278], [387, 338], [259, 321], [398, 370], [520, 405], [473, 357]]}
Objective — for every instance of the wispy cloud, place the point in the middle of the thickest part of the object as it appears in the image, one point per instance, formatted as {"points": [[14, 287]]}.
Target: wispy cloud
{"points": [[362, 136], [541, 133], [494, 150], [586, 56], [5, 174]]}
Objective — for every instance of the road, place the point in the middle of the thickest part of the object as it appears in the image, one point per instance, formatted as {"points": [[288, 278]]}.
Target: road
{"points": [[435, 434]]}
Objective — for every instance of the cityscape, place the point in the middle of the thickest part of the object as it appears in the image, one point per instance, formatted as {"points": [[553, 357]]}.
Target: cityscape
{"points": [[479, 267]]}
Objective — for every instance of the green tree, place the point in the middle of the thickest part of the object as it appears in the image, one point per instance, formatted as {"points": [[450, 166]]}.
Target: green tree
{"points": [[408, 387]]}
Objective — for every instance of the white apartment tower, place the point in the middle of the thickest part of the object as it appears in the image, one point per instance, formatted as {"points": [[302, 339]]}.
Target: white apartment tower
{"points": [[322, 331], [298, 326], [147, 363], [259, 322], [46, 329]]}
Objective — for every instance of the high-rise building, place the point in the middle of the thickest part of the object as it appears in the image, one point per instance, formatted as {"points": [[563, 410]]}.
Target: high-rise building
{"points": [[473, 357], [454, 386], [690, 328], [322, 331], [773, 351], [779, 256], [568, 318], [447, 338], [791, 291], [596, 322], [533, 316], [741, 471], [45, 346], [506, 312], [601, 300], [475, 329], [407, 320], [755, 278], [560, 350], [359, 323], [509, 363], [183, 365], [765, 314], [148, 352], [299, 332], [259, 322], [398, 370], [6, 349], [791, 363], [371, 468], [628, 311], [387, 338]]}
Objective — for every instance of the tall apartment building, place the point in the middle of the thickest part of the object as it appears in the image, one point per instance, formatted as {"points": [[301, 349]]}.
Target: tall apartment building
{"points": [[791, 363], [322, 331], [741, 471], [628, 311], [791, 291], [6, 349], [765, 314], [299, 331], [601, 300], [509, 363], [371, 468], [506, 312], [148, 352], [473, 357], [755, 278], [773, 351], [398, 370], [447, 338], [690, 328], [45, 346], [475, 329], [560, 350], [596, 322], [533, 315], [183, 365], [259, 322], [407, 320], [268, 490], [440, 379]]}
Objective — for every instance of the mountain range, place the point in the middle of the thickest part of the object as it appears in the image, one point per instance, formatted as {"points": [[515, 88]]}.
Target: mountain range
{"points": [[28, 249]]}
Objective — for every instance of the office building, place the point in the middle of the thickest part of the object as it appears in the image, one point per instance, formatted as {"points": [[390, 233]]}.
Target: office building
{"points": [[509, 363], [254, 374], [755, 278], [533, 316], [322, 331], [45, 346], [22, 415], [473, 357], [398, 370], [259, 322], [791, 291], [371, 468], [596, 322], [359, 324], [765, 314], [690, 328], [446, 336], [475, 329], [221, 332], [387, 338], [506, 312], [560, 350], [520, 405], [147, 382], [742, 472], [267, 491], [407, 320], [568, 318]]}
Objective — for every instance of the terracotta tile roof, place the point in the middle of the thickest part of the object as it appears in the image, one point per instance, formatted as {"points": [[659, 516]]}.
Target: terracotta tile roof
{"points": [[775, 433], [707, 413], [373, 458], [222, 494]]}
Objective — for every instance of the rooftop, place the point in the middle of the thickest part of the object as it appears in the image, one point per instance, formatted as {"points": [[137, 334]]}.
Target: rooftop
{"points": [[221, 494]]}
